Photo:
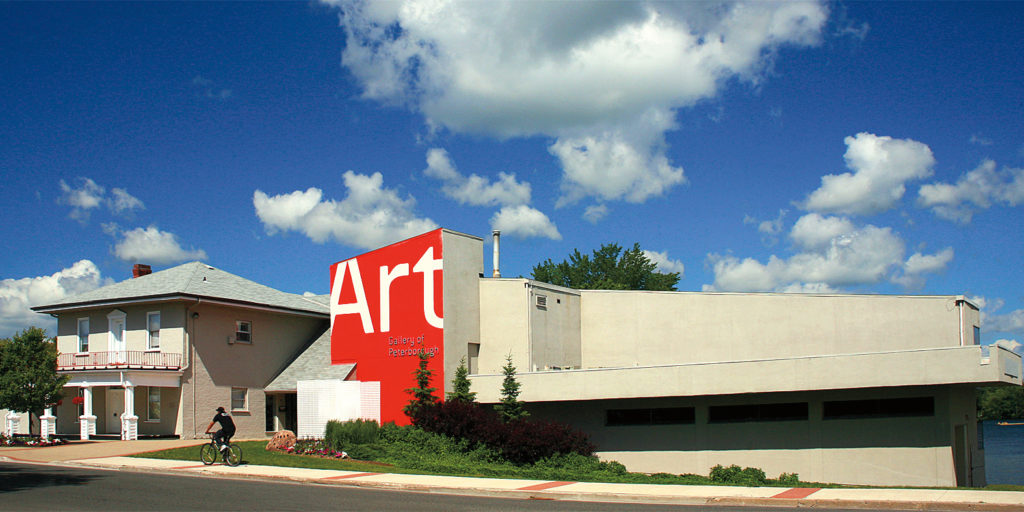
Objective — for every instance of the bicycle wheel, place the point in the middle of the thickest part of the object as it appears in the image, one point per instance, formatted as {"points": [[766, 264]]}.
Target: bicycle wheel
{"points": [[208, 454], [233, 455]]}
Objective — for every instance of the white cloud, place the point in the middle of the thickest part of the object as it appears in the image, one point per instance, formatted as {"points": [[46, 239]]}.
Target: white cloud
{"points": [[121, 200], [852, 256], [1012, 322], [1011, 345], [579, 72], [917, 265], [475, 190], [18, 295], [881, 167], [152, 246], [594, 213], [524, 222], [981, 141], [980, 187], [89, 195], [817, 232], [621, 163], [211, 90], [370, 216], [990, 305], [769, 229], [664, 263]]}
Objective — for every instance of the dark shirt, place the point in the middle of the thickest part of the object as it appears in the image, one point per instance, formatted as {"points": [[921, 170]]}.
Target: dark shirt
{"points": [[226, 423]]}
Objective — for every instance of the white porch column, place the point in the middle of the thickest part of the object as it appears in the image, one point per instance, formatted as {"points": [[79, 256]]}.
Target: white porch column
{"points": [[47, 424], [87, 419], [129, 421], [11, 423]]}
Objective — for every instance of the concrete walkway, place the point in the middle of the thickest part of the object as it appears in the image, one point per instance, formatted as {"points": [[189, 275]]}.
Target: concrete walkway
{"points": [[112, 455]]}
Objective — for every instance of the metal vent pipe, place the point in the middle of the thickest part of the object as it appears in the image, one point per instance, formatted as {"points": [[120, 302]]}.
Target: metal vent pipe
{"points": [[497, 237]]}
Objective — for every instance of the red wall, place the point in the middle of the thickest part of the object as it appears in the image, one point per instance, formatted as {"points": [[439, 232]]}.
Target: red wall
{"points": [[384, 337]]}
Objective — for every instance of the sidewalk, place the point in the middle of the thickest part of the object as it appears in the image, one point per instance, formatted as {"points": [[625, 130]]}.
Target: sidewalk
{"points": [[111, 454]]}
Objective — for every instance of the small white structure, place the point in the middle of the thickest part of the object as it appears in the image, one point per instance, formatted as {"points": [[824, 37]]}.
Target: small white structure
{"points": [[320, 401]]}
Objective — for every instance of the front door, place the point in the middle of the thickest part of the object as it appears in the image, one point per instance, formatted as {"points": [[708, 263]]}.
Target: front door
{"points": [[117, 339], [115, 408]]}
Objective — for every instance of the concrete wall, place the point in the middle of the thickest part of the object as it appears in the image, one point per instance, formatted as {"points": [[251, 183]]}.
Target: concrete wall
{"points": [[504, 324], [219, 366], [462, 267], [554, 327], [872, 451], [537, 337], [172, 328], [645, 328]]}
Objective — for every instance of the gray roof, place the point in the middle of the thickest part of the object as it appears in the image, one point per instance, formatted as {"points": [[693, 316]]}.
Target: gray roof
{"points": [[312, 364], [197, 280]]}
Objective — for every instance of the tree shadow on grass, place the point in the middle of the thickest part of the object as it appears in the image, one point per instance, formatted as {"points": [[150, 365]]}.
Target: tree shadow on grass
{"points": [[23, 476]]}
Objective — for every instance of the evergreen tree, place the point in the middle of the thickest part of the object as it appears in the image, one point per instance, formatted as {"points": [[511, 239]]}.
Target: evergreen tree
{"points": [[510, 408], [460, 385], [610, 268], [29, 381], [422, 394]]}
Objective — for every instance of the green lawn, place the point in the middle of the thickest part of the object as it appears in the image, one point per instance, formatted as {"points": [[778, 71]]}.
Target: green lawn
{"points": [[441, 463]]}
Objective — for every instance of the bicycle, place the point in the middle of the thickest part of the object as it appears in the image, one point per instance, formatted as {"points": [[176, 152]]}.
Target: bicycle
{"points": [[232, 456]]}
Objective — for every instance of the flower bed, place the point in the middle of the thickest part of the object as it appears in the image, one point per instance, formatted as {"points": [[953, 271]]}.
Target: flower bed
{"points": [[27, 440], [317, 448]]}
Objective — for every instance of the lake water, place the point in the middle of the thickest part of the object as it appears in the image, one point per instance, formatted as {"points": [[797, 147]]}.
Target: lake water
{"points": [[1004, 453]]}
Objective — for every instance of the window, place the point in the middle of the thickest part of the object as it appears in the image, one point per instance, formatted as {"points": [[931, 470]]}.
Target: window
{"points": [[239, 399], [757, 412], [153, 410], [880, 408], [153, 326], [83, 334], [655, 416], [243, 331], [977, 335]]}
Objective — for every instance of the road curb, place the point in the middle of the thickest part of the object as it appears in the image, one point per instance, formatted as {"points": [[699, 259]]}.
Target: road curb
{"points": [[564, 495]]}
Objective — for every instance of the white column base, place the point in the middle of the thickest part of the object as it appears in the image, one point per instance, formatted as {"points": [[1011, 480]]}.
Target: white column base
{"points": [[129, 427], [47, 425], [88, 426], [11, 422]]}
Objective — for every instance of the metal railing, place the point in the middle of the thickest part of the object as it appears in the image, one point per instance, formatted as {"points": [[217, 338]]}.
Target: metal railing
{"points": [[133, 359]]}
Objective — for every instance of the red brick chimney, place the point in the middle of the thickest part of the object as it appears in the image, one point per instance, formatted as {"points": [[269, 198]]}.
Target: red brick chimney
{"points": [[140, 270]]}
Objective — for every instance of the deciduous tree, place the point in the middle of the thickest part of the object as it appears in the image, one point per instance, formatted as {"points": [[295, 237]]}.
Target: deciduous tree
{"points": [[610, 268], [29, 381]]}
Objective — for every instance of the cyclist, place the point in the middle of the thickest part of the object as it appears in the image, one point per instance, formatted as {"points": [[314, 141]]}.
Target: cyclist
{"points": [[226, 431]]}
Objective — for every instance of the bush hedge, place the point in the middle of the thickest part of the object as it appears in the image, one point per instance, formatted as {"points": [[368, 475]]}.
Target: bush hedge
{"points": [[341, 435], [519, 442]]}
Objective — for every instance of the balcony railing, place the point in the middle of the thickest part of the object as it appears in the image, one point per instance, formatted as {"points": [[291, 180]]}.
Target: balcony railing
{"points": [[119, 360]]}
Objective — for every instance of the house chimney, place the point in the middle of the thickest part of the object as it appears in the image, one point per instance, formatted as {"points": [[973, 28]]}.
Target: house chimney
{"points": [[497, 236], [139, 270]]}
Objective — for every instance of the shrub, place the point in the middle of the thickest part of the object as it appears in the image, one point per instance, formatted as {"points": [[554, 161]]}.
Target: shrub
{"points": [[789, 479], [345, 434], [519, 442], [734, 475]]}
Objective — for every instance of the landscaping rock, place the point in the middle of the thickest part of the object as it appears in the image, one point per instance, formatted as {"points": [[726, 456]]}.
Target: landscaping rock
{"points": [[282, 441]]}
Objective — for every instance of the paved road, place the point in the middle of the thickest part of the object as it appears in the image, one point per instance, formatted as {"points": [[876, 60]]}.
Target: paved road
{"points": [[28, 487]]}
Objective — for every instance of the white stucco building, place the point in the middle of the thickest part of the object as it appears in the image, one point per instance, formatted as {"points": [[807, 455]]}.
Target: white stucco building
{"points": [[859, 389]]}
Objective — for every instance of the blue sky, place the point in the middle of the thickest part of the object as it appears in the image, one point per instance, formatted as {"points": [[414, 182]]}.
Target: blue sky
{"points": [[837, 147]]}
